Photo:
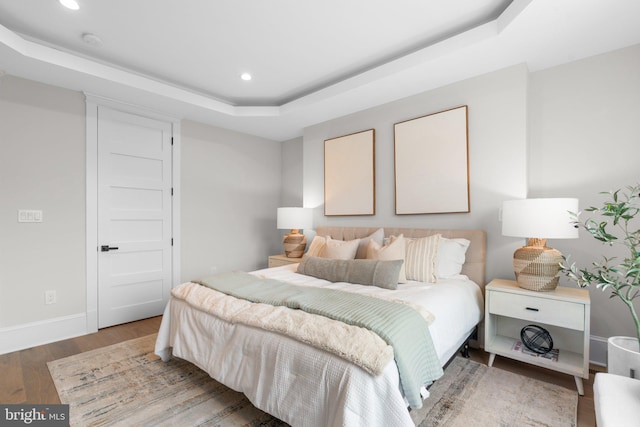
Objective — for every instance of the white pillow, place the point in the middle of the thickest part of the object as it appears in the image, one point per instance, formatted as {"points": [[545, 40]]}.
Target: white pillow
{"points": [[393, 251], [376, 236], [420, 258], [317, 246], [340, 249], [451, 256]]}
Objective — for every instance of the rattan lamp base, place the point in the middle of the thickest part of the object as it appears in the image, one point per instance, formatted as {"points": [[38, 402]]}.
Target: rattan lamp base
{"points": [[537, 266], [294, 244]]}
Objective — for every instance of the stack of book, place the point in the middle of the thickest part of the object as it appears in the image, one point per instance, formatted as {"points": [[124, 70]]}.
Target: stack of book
{"points": [[551, 355]]}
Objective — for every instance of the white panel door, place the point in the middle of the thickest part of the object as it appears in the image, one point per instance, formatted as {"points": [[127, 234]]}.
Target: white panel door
{"points": [[134, 216]]}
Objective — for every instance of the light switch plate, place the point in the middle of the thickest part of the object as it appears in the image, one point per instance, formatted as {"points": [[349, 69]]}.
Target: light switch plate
{"points": [[29, 215]]}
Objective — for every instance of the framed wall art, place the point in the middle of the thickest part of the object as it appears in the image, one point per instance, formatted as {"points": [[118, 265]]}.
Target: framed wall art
{"points": [[349, 174], [432, 163]]}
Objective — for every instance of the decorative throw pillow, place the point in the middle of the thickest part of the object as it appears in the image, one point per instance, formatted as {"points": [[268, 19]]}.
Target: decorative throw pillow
{"points": [[420, 258], [340, 249], [317, 246], [451, 256], [376, 236], [383, 274], [393, 251]]}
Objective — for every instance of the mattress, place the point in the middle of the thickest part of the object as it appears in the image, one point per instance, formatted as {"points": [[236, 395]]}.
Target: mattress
{"points": [[306, 386]]}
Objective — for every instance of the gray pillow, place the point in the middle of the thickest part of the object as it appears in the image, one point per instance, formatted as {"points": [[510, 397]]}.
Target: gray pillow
{"points": [[372, 272]]}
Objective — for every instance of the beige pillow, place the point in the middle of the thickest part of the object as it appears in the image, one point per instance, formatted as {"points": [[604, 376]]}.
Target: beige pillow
{"points": [[377, 236], [393, 251], [317, 246], [420, 258], [340, 249]]}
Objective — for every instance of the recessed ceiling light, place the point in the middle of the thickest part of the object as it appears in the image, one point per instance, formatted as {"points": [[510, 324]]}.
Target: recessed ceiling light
{"points": [[70, 4], [245, 76]]}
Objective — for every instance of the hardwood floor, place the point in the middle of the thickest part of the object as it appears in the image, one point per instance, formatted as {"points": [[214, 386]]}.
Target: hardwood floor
{"points": [[25, 377]]}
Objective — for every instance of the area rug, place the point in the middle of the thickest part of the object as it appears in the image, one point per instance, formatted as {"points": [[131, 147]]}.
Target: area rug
{"points": [[473, 394], [126, 384]]}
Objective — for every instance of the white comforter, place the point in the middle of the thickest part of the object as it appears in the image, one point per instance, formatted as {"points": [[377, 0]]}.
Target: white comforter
{"points": [[305, 386]]}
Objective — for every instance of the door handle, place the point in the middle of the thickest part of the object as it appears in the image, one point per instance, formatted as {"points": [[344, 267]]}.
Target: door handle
{"points": [[107, 248]]}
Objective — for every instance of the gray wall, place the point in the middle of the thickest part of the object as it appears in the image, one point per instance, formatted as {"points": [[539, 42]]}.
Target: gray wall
{"points": [[497, 157], [42, 148], [585, 138], [292, 191], [230, 191]]}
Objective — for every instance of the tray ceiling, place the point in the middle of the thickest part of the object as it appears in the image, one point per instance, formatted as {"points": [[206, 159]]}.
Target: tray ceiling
{"points": [[309, 61]]}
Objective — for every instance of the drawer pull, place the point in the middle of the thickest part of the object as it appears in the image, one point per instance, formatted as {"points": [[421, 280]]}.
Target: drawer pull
{"points": [[532, 309]]}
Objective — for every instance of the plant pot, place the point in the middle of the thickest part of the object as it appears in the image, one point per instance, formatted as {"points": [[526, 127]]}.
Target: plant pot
{"points": [[623, 354]]}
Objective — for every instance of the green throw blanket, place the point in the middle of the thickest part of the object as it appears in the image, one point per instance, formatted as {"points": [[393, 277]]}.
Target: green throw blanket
{"points": [[399, 325]]}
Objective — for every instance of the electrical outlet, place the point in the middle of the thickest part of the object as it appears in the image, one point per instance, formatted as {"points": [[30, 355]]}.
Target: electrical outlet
{"points": [[50, 297]]}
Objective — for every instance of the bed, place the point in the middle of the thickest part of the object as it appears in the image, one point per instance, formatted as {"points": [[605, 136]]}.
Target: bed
{"points": [[306, 385]]}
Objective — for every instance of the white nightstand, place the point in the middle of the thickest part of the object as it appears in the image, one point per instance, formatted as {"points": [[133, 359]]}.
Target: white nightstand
{"points": [[282, 259], [564, 312]]}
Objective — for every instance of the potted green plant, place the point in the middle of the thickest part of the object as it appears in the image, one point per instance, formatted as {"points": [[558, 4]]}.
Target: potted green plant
{"points": [[615, 223]]}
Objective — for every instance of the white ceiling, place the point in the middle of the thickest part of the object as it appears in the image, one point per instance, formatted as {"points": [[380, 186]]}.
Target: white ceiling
{"points": [[310, 61]]}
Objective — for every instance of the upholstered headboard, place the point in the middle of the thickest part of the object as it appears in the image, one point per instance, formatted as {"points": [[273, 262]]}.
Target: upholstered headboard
{"points": [[476, 257]]}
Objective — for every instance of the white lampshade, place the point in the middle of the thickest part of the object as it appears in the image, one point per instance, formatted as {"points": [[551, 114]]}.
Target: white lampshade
{"points": [[294, 218], [539, 218]]}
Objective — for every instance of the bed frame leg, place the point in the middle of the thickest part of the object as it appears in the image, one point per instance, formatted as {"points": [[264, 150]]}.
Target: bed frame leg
{"points": [[465, 350]]}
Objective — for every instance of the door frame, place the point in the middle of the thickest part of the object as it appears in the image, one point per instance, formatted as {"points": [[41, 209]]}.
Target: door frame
{"points": [[93, 102]]}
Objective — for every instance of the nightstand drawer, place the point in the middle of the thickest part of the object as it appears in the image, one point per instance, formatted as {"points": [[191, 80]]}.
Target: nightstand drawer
{"points": [[552, 312]]}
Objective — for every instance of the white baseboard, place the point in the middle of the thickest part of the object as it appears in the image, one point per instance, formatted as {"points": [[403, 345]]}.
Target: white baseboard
{"points": [[598, 350], [15, 338]]}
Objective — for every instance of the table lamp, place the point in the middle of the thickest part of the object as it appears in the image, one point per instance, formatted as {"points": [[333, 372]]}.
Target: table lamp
{"points": [[294, 219], [536, 265]]}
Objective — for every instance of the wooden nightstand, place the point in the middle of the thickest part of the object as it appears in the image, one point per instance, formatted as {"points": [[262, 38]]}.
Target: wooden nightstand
{"points": [[564, 312], [282, 259]]}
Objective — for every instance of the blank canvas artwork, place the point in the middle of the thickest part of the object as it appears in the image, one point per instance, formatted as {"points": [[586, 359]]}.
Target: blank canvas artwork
{"points": [[432, 163], [349, 174]]}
